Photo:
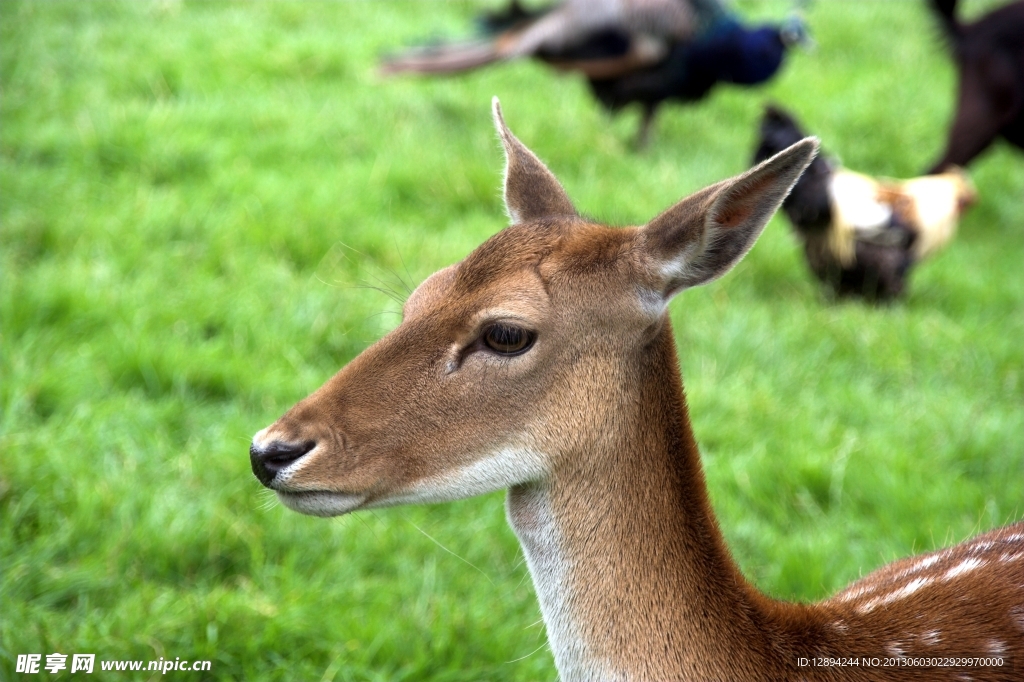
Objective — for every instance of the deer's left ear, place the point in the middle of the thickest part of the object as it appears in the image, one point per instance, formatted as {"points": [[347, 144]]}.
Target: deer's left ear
{"points": [[531, 190], [706, 234]]}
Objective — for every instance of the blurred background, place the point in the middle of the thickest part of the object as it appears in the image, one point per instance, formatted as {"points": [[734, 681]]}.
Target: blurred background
{"points": [[206, 209]]}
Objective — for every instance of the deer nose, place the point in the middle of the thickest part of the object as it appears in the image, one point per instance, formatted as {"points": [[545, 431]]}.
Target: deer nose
{"points": [[269, 459]]}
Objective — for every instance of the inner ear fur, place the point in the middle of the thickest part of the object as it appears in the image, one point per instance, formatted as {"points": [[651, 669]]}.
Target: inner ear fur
{"points": [[703, 236], [531, 190]]}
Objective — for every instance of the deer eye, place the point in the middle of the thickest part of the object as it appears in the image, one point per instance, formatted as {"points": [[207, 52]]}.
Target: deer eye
{"points": [[506, 339]]}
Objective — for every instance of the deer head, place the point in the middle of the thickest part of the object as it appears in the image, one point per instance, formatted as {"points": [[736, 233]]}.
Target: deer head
{"points": [[512, 360]]}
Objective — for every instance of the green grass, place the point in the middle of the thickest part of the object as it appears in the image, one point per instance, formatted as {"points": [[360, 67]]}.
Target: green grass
{"points": [[193, 197]]}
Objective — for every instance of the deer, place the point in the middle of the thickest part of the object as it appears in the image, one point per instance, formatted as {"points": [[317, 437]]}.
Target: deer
{"points": [[544, 363]]}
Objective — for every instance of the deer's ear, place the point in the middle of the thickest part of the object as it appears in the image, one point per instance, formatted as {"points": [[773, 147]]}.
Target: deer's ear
{"points": [[531, 190], [704, 235]]}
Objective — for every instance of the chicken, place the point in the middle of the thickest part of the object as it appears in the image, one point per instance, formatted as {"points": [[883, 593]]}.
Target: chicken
{"points": [[862, 235]]}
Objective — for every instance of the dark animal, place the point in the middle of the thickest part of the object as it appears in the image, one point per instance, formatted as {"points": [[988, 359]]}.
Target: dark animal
{"points": [[631, 51], [989, 56], [861, 236], [727, 52]]}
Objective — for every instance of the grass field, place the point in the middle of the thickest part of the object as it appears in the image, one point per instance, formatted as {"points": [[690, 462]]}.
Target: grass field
{"points": [[196, 201]]}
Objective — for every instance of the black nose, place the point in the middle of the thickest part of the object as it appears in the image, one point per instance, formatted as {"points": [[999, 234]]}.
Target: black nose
{"points": [[268, 460]]}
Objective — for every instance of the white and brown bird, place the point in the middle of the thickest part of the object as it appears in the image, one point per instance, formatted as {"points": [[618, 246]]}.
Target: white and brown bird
{"points": [[862, 235]]}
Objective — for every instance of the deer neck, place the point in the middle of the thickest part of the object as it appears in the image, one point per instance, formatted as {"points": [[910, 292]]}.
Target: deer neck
{"points": [[631, 571]]}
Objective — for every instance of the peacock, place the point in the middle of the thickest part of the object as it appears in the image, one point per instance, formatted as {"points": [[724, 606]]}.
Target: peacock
{"points": [[631, 51]]}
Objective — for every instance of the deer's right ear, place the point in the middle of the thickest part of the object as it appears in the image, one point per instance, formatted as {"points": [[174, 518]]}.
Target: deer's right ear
{"points": [[531, 190], [706, 234]]}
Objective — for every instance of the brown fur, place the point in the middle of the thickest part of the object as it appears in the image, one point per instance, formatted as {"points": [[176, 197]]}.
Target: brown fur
{"points": [[589, 431]]}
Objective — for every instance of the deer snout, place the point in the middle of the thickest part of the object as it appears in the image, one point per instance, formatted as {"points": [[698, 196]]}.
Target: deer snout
{"points": [[268, 459]]}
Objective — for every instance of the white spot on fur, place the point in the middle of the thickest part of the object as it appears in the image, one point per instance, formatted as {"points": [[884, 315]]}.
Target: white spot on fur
{"points": [[1006, 557], [931, 638], [858, 592], [905, 591], [965, 566], [840, 626], [895, 649], [920, 566], [995, 647], [868, 606], [911, 587], [926, 562]]}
